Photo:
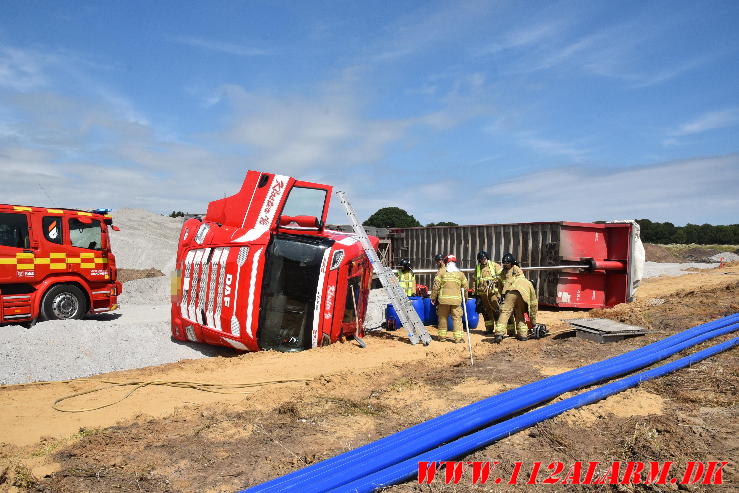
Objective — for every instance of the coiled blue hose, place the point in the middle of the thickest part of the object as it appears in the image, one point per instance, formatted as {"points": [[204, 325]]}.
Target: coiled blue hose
{"points": [[394, 448], [409, 468]]}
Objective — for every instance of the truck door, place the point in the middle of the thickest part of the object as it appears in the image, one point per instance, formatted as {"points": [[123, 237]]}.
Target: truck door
{"points": [[306, 208], [86, 253], [16, 256]]}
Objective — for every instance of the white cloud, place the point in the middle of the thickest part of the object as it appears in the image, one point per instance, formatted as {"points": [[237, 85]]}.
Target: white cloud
{"points": [[22, 70], [708, 121], [530, 35], [221, 46], [693, 190], [552, 147]]}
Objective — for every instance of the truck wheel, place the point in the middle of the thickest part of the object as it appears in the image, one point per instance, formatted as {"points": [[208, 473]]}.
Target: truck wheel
{"points": [[63, 302]]}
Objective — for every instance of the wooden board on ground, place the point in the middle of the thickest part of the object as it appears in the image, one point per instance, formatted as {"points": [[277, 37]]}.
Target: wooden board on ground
{"points": [[604, 330]]}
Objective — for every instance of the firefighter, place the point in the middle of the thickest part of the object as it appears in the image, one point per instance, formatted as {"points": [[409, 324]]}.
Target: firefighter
{"points": [[519, 298], [486, 290], [406, 277], [448, 294]]}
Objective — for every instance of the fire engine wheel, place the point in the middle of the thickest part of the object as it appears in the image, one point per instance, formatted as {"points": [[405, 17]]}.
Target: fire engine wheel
{"points": [[63, 302]]}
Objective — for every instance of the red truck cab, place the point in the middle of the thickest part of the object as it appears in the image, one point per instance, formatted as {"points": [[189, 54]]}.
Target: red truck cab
{"points": [[260, 271], [55, 264]]}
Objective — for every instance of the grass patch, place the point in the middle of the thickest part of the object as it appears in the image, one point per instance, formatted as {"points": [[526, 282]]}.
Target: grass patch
{"points": [[348, 407], [49, 446]]}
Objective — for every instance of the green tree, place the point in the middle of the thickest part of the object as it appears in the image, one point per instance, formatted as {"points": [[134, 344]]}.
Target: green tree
{"points": [[442, 223], [391, 217]]}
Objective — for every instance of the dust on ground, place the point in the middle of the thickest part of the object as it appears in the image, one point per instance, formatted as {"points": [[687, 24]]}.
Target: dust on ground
{"points": [[125, 275], [179, 439]]}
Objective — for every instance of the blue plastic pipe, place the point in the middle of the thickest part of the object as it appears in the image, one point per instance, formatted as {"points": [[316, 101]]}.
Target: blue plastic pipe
{"points": [[459, 448], [353, 464], [452, 431], [387, 447]]}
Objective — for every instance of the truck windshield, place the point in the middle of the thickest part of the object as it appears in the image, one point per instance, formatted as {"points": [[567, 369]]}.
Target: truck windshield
{"points": [[289, 288]]}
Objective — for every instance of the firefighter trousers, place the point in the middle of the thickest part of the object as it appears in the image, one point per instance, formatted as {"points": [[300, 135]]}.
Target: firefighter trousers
{"points": [[513, 304], [490, 310], [443, 312]]}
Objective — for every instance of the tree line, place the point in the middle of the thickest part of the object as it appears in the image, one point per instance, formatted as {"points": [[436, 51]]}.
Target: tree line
{"points": [[651, 232], [704, 234], [395, 217]]}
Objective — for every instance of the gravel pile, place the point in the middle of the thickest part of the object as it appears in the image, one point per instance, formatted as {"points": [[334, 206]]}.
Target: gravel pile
{"points": [[656, 269], [135, 336], [146, 240], [727, 256]]}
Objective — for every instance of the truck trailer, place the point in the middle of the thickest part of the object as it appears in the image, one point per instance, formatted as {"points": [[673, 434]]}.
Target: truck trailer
{"points": [[260, 270]]}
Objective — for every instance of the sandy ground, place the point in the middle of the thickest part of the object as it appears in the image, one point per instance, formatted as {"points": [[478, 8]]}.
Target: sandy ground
{"points": [[164, 438]]}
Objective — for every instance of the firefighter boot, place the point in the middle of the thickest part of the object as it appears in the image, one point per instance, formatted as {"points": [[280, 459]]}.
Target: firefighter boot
{"points": [[458, 336], [500, 330], [489, 326], [522, 331], [442, 334]]}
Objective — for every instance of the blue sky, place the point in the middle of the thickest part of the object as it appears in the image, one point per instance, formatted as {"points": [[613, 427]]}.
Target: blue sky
{"points": [[470, 111]]}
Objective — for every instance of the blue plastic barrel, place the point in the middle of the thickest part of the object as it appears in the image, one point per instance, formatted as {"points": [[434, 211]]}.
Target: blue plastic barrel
{"points": [[430, 317], [429, 313], [392, 319]]}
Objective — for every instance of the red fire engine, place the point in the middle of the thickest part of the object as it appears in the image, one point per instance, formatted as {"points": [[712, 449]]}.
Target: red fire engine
{"points": [[261, 272], [55, 264]]}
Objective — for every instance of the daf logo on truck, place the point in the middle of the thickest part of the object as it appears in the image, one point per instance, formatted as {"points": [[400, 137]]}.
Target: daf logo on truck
{"points": [[281, 221], [227, 290]]}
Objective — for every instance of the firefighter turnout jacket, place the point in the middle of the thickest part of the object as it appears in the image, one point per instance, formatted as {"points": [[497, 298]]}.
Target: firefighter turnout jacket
{"points": [[486, 278], [407, 281], [448, 288], [527, 292]]}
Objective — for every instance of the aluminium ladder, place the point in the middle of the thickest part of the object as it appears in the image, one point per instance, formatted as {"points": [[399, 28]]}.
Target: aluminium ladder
{"points": [[408, 316]]}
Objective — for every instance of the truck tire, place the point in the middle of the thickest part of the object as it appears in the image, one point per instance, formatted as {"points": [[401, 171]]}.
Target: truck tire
{"points": [[63, 302]]}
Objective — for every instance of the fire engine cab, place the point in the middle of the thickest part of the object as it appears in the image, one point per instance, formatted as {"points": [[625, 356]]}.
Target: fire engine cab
{"points": [[260, 271], [55, 264]]}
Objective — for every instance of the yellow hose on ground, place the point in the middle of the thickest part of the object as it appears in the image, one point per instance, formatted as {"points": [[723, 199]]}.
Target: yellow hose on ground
{"points": [[217, 388]]}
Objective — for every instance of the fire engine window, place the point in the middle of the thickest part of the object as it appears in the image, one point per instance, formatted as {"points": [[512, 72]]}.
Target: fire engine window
{"points": [[83, 235], [53, 229], [305, 202], [13, 230]]}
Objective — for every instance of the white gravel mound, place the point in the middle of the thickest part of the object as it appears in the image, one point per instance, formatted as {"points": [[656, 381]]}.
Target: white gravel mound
{"points": [[656, 269], [146, 240], [153, 291], [136, 336], [727, 256]]}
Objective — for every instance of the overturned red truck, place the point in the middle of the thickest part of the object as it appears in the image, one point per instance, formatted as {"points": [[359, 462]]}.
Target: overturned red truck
{"points": [[260, 271]]}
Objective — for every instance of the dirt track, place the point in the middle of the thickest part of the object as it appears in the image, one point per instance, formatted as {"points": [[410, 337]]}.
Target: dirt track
{"points": [[173, 439]]}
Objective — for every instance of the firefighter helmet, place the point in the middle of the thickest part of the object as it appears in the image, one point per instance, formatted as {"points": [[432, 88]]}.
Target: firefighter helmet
{"points": [[508, 258], [482, 254], [405, 263], [438, 257], [450, 258]]}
